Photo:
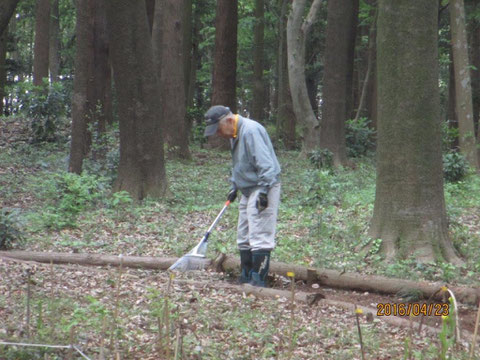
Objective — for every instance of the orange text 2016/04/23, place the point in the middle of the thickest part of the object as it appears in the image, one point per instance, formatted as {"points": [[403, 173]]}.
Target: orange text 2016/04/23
{"points": [[414, 309]]}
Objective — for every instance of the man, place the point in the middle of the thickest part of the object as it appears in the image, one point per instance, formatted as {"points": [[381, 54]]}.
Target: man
{"points": [[256, 174]]}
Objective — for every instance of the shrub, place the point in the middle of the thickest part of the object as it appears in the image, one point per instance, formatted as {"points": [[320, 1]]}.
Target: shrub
{"points": [[71, 194], [321, 158], [359, 137], [455, 166], [44, 105], [10, 232]]}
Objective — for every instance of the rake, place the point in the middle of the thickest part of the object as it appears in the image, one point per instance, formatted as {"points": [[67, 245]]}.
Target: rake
{"points": [[195, 258]]}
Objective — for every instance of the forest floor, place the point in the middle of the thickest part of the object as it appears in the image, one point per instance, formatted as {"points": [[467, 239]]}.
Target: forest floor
{"points": [[323, 222]]}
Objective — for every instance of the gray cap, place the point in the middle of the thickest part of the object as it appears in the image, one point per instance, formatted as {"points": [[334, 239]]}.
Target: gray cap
{"points": [[213, 117]]}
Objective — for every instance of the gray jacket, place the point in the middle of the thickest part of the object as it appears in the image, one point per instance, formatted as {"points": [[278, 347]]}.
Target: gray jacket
{"points": [[254, 161]]}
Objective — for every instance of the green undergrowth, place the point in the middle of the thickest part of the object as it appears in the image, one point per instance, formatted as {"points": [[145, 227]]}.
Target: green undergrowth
{"points": [[323, 217]]}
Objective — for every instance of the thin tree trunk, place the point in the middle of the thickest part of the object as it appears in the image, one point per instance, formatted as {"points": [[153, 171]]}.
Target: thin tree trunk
{"points": [[3, 73], [101, 69], [452, 117], [82, 101], [187, 45], [40, 57], [258, 93], [297, 32], [370, 66], [224, 79], [7, 8], [463, 89], [337, 75], [54, 51], [141, 170], [409, 213], [171, 75], [285, 115]]}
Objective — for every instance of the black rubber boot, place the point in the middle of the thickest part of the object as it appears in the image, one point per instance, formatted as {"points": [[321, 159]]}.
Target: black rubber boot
{"points": [[246, 266], [261, 263]]}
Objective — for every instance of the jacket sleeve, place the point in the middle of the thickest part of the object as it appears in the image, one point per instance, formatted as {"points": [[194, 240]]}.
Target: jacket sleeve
{"points": [[260, 154]]}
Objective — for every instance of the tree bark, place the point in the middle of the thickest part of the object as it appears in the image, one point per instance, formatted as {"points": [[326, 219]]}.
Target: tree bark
{"points": [[40, 56], [285, 115], [172, 78], [325, 277], [463, 89], [297, 32], [7, 8], [54, 50], [258, 93], [409, 212], [336, 78], [82, 101], [141, 170], [225, 62], [150, 4]]}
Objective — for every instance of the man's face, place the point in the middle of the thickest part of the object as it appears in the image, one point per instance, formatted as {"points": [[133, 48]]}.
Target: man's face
{"points": [[225, 128]]}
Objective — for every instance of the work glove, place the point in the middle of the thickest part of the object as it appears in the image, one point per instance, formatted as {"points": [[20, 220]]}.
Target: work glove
{"points": [[262, 201], [232, 195]]}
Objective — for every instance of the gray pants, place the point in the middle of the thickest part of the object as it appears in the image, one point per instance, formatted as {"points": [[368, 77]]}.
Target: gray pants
{"points": [[256, 231]]}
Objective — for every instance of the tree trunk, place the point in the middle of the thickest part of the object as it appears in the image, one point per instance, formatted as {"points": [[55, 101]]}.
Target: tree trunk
{"points": [[54, 51], [40, 56], [325, 277], [141, 170], [195, 58], [187, 46], [285, 114], [225, 61], [297, 32], [7, 8], [463, 89], [172, 78], [336, 78], [409, 213], [82, 102], [3, 73], [352, 36], [258, 93]]}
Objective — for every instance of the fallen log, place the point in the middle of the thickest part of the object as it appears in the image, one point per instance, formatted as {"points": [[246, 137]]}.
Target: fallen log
{"points": [[365, 283], [327, 278], [139, 262]]}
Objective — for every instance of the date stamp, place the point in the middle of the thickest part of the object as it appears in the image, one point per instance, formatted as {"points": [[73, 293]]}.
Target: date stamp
{"points": [[414, 309]]}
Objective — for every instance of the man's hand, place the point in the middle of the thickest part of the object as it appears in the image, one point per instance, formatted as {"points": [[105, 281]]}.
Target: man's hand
{"points": [[232, 195], [262, 201]]}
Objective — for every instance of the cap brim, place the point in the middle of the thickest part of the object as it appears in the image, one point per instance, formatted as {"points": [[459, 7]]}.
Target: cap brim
{"points": [[211, 129]]}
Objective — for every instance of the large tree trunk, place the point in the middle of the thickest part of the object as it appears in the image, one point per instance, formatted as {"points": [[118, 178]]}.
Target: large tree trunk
{"points": [[463, 89], [409, 213], [285, 114], [297, 32], [42, 40], [225, 61], [82, 102], [54, 51], [142, 169], [336, 78], [7, 8], [258, 93], [172, 78]]}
